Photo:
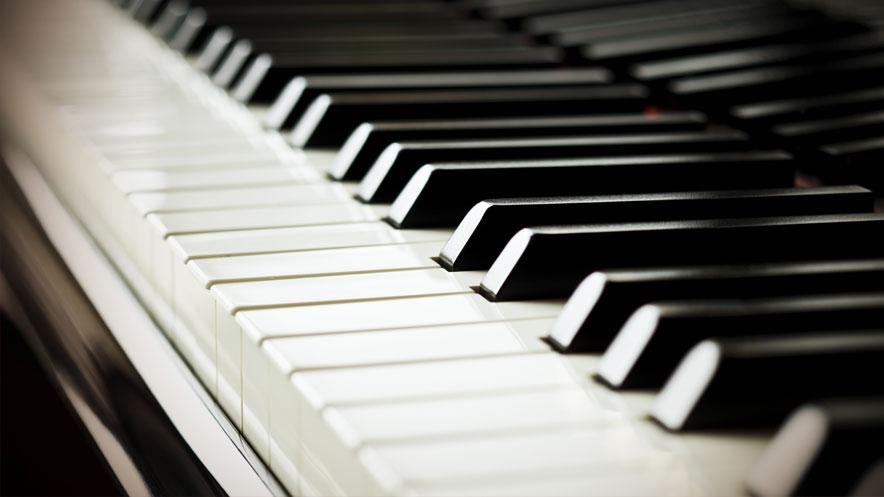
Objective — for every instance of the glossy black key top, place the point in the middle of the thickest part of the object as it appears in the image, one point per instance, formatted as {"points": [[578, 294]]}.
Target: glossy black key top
{"points": [[551, 261], [757, 56], [656, 337], [270, 80], [398, 163], [332, 117], [521, 9], [761, 114], [771, 82], [712, 36], [276, 15], [872, 481], [856, 162], [279, 44], [367, 142], [623, 15], [291, 44], [264, 28], [169, 20], [442, 194], [758, 382], [232, 63], [850, 128], [145, 11], [823, 448], [212, 52], [298, 94], [184, 38], [489, 225], [626, 23], [597, 310]]}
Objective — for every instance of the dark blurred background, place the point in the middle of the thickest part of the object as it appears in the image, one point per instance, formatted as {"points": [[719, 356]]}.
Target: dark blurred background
{"points": [[43, 449]]}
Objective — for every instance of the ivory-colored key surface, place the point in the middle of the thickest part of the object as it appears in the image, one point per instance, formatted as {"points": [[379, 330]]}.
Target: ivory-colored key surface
{"points": [[316, 262], [255, 196], [235, 297], [385, 314], [291, 239], [494, 414], [408, 344], [177, 223], [141, 181]]}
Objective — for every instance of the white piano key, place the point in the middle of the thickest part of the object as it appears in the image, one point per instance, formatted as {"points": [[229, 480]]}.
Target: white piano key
{"points": [[407, 345], [469, 416], [267, 159], [255, 196], [234, 147], [429, 380], [264, 241], [588, 451], [145, 180], [244, 218], [196, 331], [255, 327], [316, 262], [220, 137], [266, 381], [619, 482], [235, 297], [296, 421], [386, 314]]}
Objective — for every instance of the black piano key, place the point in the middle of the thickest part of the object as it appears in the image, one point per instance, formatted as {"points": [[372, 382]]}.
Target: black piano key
{"points": [[318, 4], [298, 94], [441, 194], [145, 11], [624, 24], [765, 55], [283, 46], [657, 336], [489, 225], [821, 54], [367, 142], [263, 27], [771, 82], [856, 162], [713, 37], [270, 81], [551, 261], [293, 14], [212, 52], [823, 448], [331, 118], [621, 15], [396, 165], [184, 38], [232, 63], [853, 127], [872, 481], [603, 302], [319, 31], [169, 20], [756, 382], [762, 114], [522, 9], [288, 42]]}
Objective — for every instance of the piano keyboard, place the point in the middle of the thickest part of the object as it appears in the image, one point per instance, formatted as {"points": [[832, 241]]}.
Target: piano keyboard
{"points": [[492, 247]]}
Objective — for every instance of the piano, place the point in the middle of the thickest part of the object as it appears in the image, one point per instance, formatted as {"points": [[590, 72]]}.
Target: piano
{"points": [[463, 247]]}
